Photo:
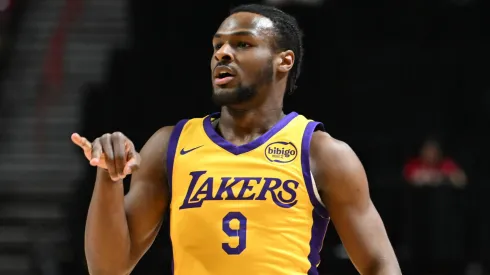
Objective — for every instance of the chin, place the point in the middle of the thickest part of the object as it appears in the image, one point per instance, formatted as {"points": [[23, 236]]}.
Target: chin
{"points": [[227, 96], [224, 90], [223, 96]]}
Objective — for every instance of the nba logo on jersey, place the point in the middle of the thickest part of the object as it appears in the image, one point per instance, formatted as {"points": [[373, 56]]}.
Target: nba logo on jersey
{"points": [[246, 209], [281, 152]]}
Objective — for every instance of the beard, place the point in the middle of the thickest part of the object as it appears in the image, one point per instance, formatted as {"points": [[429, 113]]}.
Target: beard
{"points": [[243, 93], [232, 96]]}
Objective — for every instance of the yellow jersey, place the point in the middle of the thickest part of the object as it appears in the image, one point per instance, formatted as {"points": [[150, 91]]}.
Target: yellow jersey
{"points": [[244, 210]]}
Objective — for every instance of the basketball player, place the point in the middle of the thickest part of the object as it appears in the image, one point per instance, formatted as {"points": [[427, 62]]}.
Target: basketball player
{"points": [[251, 189]]}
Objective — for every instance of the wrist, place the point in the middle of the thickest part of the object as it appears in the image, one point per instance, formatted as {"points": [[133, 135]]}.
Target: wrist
{"points": [[103, 176]]}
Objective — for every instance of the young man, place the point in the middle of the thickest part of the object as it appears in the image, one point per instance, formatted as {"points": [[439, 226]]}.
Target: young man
{"points": [[250, 189]]}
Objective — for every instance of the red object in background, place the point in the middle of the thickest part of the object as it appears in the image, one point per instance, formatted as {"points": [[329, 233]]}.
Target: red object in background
{"points": [[52, 74], [53, 66], [446, 167]]}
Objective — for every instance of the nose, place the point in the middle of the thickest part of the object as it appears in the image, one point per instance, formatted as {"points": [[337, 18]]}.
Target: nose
{"points": [[225, 53]]}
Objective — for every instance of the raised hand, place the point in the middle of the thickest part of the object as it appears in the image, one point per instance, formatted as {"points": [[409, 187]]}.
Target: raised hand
{"points": [[113, 152]]}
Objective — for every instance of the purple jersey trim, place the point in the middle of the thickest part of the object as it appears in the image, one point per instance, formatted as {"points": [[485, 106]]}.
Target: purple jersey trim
{"points": [[305, 164], [171, 153], [172, 150], [319, 214], [237, 150], [318, 231]]}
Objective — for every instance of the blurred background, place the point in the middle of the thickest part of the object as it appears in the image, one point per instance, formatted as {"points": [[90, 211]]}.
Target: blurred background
{"points": [[405, 83]]}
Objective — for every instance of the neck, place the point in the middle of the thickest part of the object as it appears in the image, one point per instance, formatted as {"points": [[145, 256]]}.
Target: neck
{"points": [[245, 122], [246, 125]]}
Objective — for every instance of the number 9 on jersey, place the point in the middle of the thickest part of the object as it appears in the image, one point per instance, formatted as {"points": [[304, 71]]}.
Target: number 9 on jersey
{"points": [[240, 232]]}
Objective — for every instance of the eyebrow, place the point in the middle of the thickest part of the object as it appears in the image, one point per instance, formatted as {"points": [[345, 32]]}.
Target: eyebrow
{"points": [[238, 33]]}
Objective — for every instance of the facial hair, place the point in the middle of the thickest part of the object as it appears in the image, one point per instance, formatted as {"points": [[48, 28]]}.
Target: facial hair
{"points": [[244, 93]]}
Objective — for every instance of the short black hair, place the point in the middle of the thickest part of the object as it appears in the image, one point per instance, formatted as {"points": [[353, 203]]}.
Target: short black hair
{"points": [[288, 35]]}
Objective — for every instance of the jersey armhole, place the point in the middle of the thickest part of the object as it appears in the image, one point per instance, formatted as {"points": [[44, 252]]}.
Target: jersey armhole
{"points": [[172, 150], [311, 186]]}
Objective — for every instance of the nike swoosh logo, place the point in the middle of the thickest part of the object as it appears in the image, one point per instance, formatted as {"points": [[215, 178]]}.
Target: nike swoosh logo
{"points": [[183, 152]]}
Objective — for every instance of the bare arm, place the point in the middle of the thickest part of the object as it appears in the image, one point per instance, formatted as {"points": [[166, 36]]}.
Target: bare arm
{"points": [[120, 229], [343, 187], [148, 197]]}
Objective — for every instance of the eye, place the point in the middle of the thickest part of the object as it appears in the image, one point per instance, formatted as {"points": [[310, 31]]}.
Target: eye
{"points": [[243, 45], [217, 46]]}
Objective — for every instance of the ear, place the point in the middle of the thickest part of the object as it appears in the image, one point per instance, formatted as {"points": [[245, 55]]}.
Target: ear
{"points": [[285, 61]]}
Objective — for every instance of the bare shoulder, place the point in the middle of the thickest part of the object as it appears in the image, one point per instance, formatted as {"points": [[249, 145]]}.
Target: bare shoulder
{"points": [[154, 152], [326, 143], [336, 168], [149, 180], [162, 136], [160, 139], [327, 152]]}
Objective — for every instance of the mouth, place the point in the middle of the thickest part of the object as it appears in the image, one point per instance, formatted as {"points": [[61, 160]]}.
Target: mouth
{"points": [[223, 75], [223, 79]]}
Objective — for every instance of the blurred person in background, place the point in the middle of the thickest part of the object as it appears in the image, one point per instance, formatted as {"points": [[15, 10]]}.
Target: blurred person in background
{"points": [[222, 222], [435, 210], [432, 168]]}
